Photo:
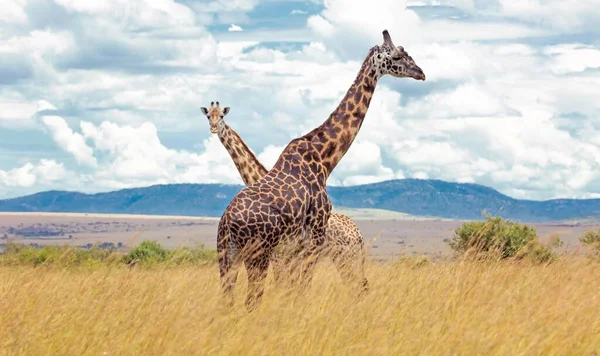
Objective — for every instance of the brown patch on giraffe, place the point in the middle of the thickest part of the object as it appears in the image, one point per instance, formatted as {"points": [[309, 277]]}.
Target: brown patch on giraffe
{"points": [[357, 96]]}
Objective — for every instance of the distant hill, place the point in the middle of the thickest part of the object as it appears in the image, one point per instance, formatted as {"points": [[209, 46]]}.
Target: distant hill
{"points": [[410, 196]]}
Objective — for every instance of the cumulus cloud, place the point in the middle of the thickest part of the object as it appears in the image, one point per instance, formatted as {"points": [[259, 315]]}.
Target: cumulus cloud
{"points": [[362, 164], [556, 14], [135, 155], [573, 58], [269, 155], [348, 28], [12, 12], [234, 28], [126, 80], [230, 5], [69, 140], [43, 173]]}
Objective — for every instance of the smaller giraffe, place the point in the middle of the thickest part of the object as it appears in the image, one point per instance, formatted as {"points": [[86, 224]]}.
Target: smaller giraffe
{"points": [[343, 238]]}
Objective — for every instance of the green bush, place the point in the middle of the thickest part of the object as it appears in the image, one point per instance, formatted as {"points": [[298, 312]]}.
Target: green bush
{"points": [[147, 252], [499, 238], [151, 253], [592, 240], [537, 252], [555, 242]]}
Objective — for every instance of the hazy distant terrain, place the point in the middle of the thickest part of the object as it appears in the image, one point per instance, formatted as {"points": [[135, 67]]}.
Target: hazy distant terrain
{"points": [[385, 237], [396, 217], [414, 197]]}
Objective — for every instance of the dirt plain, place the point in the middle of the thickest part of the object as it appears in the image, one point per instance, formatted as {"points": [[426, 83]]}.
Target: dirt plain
{"points": [[385, 238]]}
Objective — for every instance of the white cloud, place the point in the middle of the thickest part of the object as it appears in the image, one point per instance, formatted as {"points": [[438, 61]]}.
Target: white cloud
{"points": [[44, 173], [356, 28], [468, 99], [137, 157], [362, 164], [229, 5], [351, 30], [513, 114], [12, 11], [269, 155], [38, 43], [298, 12], [562, 14], [17, 112], [573, 58], [139, 13], [69, 141], [234, 28], [557, 14]]}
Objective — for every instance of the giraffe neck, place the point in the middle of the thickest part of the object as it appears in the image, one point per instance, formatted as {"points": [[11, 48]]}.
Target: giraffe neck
{"points": [[245, 161], [333, 138]]}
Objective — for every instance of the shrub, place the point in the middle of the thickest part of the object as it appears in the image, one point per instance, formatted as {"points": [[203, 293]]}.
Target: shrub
{"points": [[147, 252], [537, 252], [592, 240], [555, 242], [499, 238]]}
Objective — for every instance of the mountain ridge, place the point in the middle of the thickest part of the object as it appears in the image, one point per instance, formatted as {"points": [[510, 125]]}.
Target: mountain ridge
{"points": [[418, 197]]}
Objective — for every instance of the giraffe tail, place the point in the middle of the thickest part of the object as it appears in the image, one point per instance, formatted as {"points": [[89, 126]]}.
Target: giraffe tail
{"points": [[363, 260], [228, 277]]}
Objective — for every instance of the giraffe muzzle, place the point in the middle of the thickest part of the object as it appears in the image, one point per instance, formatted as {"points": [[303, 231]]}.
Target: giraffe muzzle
{"points": [[418, 74]]}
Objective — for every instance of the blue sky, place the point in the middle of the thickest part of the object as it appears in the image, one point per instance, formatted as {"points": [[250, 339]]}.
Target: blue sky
{"points": [[102, 95]]}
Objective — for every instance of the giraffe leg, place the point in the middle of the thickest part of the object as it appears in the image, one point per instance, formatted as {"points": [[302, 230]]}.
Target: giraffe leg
{"points": [[228, 279], [281, 265], [257, 267], [364, 282], [228, 271], [282, 270], [349, 261], [225, 262], [285, 262], [309, 255], [276, 264]]}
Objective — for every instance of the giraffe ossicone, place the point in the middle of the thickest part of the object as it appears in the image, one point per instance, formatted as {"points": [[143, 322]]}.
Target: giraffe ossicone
{"points": [[290, 203], [343, 238]]}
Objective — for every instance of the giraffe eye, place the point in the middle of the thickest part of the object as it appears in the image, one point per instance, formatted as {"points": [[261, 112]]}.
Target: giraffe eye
{"points": [[222, 116], [208, 117]]}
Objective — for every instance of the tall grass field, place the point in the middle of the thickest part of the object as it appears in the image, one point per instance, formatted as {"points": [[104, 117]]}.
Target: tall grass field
{"points": [[152, 302]]}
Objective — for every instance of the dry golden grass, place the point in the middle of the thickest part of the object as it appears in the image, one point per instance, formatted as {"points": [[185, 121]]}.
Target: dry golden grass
{"points": [[439, 308]]}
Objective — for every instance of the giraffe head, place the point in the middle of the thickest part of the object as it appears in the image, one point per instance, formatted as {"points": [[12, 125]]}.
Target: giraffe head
{"points": [[395, 61], [215, 115]]}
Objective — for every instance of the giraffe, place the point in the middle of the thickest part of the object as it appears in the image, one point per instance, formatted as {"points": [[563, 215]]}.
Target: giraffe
{"points": [[343, 238], [290, 203]]}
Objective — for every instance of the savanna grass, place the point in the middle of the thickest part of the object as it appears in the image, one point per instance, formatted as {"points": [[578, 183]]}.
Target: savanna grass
{"points": [[412, 307]]}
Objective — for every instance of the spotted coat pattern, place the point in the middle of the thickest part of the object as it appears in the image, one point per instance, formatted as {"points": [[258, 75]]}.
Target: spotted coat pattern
{"points": [[290, 202], [343, 239]]}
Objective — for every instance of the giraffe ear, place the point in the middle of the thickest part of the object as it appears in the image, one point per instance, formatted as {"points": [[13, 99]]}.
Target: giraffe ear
{"points": [[226, 110], [204, 111]]}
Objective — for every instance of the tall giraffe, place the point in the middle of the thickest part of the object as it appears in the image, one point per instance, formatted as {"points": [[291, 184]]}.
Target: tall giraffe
{"points": [[343, 238], [291, 201]]}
